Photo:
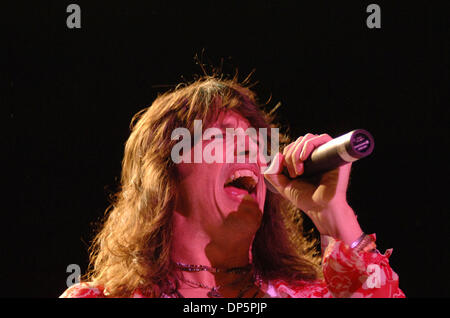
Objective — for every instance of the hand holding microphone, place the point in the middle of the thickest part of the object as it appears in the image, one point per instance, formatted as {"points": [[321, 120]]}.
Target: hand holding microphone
{"points": [[334, 153], [329, 159]]}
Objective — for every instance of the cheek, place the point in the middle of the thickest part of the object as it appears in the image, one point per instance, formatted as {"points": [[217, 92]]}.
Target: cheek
{"points": [[187, 166], [194, 188], [183, 169], [195, 174], [198, 177]]}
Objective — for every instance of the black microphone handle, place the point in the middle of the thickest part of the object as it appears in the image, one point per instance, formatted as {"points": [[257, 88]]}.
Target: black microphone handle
{"points": [[341, 150]]}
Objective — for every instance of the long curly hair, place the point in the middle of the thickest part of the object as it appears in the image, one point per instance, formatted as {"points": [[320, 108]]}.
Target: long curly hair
{"points": [[131, 251]]}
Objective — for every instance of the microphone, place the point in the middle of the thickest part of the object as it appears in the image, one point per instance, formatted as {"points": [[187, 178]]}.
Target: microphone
{"points": [[339, 151]]}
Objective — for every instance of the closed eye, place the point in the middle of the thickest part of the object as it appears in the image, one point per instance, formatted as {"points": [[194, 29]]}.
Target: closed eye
{"points": [[216, 136]]}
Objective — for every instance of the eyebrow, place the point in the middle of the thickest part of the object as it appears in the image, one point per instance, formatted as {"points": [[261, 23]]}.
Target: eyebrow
{"points": [[232, 123], [227, 125]]}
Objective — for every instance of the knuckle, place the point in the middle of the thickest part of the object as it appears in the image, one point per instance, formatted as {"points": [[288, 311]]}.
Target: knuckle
{"points": [[307, 144], [287, 159], [297, 152]]}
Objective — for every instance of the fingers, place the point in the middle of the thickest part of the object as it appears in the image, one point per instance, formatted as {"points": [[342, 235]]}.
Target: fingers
{"points": [[297, 152], [274, 176], [279, 182], [288, 155]]}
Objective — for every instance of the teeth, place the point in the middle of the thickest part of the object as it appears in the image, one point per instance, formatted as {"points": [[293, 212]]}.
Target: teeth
{"points": [[242, 173], [250, 179]]}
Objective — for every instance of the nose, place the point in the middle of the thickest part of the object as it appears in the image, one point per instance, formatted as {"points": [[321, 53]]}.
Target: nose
{"points": [[246, 148]]}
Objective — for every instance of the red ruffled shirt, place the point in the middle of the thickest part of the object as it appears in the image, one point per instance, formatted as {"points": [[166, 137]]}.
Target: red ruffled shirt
{"points": [[346, 274]]}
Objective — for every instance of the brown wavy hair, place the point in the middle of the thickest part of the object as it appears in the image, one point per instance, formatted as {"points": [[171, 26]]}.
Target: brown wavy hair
{"points": [[132, 248]]}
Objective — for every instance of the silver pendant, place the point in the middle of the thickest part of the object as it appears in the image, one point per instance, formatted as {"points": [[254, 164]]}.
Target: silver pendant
{"points": [[214, 293]]}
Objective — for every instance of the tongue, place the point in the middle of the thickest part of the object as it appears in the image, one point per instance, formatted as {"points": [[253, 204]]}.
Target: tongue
{"points": [[235, 190]]}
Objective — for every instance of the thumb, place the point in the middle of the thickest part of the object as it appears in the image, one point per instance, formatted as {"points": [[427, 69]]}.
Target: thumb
{"points": [[297, 191], [274, 176]]}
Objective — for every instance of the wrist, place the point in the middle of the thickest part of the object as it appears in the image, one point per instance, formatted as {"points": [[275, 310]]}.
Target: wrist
{"points": [[346, 226], [364, 243]]}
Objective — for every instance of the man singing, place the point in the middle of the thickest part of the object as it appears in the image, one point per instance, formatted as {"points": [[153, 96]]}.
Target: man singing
{"points": [[184, 225]]}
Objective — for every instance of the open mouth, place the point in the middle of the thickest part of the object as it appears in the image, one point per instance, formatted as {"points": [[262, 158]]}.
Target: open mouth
{"points": [[241, 182]]}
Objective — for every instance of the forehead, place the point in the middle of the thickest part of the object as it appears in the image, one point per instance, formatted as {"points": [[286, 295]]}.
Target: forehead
{"points": [[231, 119]]}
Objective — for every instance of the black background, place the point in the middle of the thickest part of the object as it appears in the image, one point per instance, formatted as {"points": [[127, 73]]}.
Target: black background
{"points": [[70, 95]]}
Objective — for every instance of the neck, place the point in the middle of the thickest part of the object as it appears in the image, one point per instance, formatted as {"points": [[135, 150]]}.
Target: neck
{"points": [[193, 244]]}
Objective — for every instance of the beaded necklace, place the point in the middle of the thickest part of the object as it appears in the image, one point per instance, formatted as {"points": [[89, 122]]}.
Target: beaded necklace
{"points": [[214, 290]]}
